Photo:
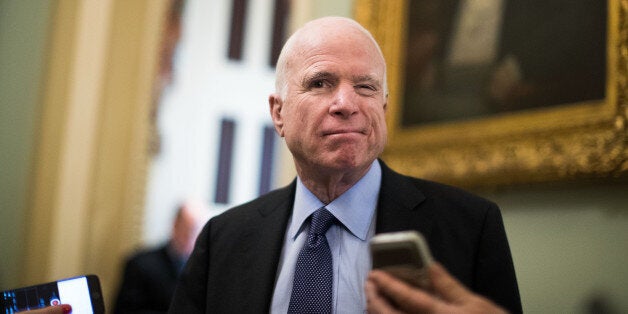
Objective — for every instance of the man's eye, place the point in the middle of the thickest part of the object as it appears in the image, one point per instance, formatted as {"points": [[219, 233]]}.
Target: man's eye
{"points": [[365, 89], [317, 84]]}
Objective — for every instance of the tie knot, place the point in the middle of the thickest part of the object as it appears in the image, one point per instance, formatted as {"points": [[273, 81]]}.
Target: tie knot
{"points": [[322, 219]]}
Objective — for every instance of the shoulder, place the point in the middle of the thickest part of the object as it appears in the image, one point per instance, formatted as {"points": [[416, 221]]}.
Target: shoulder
{"points": [[235, 219], [262, 205], [149, 255], [440, 200], [430, 189]]}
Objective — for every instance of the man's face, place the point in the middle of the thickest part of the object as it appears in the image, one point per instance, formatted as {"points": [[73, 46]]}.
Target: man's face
{"points": [[332, 116]]}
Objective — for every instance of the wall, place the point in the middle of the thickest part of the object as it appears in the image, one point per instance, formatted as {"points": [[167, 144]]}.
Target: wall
{"points": [[23, 31], [569, 243]]}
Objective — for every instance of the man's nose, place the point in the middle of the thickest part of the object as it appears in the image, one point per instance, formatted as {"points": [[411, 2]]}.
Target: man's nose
{"points": [[344, 102]]}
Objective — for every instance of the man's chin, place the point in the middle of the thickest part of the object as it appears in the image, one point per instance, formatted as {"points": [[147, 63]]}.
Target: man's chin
{"points": [[349, 163]]}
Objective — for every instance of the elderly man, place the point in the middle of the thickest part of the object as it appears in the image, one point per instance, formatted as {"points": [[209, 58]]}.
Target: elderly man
{"points": [[304, 248]]}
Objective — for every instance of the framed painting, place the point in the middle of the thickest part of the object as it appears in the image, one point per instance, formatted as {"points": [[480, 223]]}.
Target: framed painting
{"points": [[502, 92]]}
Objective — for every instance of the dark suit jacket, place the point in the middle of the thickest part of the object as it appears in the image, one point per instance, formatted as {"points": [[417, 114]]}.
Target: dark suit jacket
{"points": [[148, 282], [234, 264]]}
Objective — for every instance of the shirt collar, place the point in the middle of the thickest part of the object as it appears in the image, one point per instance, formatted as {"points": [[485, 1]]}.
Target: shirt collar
{"points": [[354, 208]]}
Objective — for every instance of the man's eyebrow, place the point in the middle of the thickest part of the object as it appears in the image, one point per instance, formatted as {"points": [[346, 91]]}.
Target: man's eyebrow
{"points": [[317, 76]]}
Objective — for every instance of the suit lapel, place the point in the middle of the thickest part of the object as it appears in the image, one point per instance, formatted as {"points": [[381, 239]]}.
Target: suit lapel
{"points": [[398, 205]]}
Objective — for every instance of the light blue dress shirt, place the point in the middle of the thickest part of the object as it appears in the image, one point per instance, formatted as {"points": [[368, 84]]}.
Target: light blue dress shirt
{"points": [[348, 242]]}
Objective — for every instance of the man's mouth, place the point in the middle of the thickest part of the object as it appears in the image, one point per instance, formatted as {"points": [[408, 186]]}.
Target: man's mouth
{"points": [[344, 131]]}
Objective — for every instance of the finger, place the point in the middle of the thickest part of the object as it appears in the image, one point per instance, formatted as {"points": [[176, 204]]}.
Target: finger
{"points": [[57, 309], [375, 303], [447, 287], [405, 297]]}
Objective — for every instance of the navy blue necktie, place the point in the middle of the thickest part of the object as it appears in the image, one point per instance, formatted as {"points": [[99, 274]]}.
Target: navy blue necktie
{"points": [[313, 274]]}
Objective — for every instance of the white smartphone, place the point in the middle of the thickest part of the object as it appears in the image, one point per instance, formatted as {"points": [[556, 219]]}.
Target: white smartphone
{"points": [[404, 255], [83, 293]]}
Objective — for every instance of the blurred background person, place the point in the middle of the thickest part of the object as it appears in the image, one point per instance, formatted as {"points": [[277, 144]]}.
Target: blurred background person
{"points": [[150, 275]]}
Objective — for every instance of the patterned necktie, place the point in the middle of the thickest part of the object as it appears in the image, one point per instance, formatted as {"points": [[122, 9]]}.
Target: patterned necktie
{"points": [[313, 274]]}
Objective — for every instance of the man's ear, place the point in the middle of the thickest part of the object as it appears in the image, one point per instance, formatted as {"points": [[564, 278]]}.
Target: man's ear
{"points": [[276, 105]]}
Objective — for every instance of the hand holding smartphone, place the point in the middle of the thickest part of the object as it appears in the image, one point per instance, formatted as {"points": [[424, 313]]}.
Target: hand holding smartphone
{"points": [[404, 255], [83, 293]]}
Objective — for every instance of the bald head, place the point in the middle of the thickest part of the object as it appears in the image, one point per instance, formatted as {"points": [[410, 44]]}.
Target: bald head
{"points": [[316, 32], [190, 218]]}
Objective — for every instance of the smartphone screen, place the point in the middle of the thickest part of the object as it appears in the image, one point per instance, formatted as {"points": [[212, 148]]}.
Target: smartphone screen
{"points": [[82, 293]]}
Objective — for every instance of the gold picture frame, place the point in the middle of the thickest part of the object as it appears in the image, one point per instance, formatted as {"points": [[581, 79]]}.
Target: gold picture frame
{"points": [[557, 143]]}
